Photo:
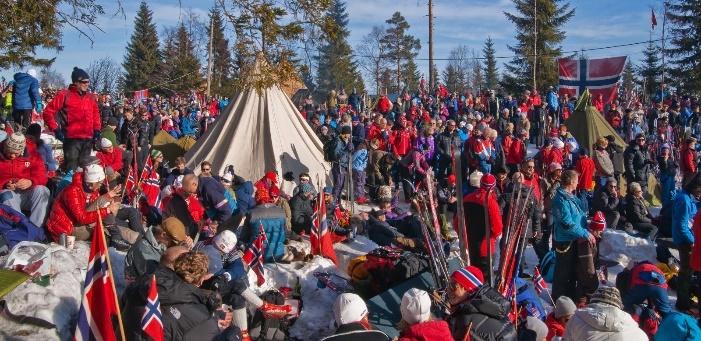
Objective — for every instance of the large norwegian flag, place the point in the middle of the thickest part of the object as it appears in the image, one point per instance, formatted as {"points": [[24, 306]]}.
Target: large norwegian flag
{"points": [[600, 76], [99, 315], [320, 237]]}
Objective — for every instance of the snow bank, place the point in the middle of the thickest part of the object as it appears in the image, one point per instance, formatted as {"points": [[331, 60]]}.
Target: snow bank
{"points": [[620, 247]]}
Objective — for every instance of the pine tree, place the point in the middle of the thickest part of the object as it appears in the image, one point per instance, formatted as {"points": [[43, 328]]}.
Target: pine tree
{"points": [[451, 78], [412, 75], [399, 48], [551, 16], [222, 61], [491, 73], [685, 49], [628, 78], [143, 57], [650, 69], [184, 72], [337, 69], [477, 76]]}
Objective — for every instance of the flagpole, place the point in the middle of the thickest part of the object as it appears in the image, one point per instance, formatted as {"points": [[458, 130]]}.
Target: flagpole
{"points": [[109, 265], [664, 22]]}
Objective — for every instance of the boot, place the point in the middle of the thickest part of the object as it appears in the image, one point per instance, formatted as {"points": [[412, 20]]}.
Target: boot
{"points": [[274, 311], [245, 336]]}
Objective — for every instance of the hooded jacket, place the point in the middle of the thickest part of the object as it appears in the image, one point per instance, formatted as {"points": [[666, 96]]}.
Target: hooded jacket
{"points": [[683, 211], [602, 322], [82, 115], [569, 219], [427, 331], [487, 312], [21, 167], [25, 92], [70, 209]]}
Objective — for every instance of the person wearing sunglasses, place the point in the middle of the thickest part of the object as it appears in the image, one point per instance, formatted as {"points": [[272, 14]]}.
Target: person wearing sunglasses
{"points": [[74, 117], [637, 162]]}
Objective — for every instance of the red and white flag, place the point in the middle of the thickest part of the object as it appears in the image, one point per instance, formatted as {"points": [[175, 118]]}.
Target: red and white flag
{"points": [[538, 281], [140, 95], [100, 307], [600, 76], [150, 184], [320, 238], [653, 19], [254, 255], [152, 320]]}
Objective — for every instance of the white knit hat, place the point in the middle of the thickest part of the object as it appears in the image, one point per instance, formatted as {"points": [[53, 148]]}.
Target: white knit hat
{"points": [[475, 178], [349, 308], [225, 241], [105, 143], [415, 306], [94, 174], [557, 143]]}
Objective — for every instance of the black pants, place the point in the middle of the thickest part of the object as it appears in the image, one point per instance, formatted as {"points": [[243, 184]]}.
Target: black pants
{"points": [[75, 150], [22, 117], [684, 280], [565, 279], [647, 229]]}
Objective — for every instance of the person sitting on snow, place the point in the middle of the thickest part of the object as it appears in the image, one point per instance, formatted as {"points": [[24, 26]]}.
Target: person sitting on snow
{"points": [[647, 285], [184, 205], [476, 308], [383, 234], [211, 195], [267, 191], [302, 209], [603, 319], [417, 323], [351, 315], [110, 156], [557, 320], [143, 257]]}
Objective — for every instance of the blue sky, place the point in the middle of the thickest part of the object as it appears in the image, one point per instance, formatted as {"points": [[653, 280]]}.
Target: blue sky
{"points": [[596, 23]]}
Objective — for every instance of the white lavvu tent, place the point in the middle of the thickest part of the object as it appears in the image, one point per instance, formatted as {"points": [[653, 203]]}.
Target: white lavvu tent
{"points": [[261, 131]]}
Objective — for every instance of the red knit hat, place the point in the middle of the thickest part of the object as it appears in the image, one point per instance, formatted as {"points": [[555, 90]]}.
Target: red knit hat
{"points": [[488, 181], [469, 277], [271, 175], [598, 222], [451, 179]]}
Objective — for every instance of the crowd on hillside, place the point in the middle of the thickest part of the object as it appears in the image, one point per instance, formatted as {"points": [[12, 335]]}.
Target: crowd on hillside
{"points": [[183, 227]]}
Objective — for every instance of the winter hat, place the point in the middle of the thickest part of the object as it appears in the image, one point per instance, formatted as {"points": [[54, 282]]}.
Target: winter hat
{"points": [[349, 308], [488, 181], [475, 178], [564, 307], [174, 228], [598, 222], [345, 130], [415, 306], [94, 174], [537, 326], [271, 175], [105, 143], [306, 188], [452, 179], [228, 177], [15, 143], [607, 295], [557, 143], [78, 75], [554, 166], [113, 121], [156, 153], [469, 127], [469, 277], [225, 241]]}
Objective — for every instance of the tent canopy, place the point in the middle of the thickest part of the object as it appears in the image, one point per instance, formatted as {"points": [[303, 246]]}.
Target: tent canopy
{"points": [[261, 131], [587, 124]]}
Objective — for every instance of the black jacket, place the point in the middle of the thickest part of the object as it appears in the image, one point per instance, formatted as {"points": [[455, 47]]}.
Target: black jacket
{"points": [[356, 332], [636, 211], [134, 127], [302, 212], [445, 143], [616, 154], [487, 311], [604, 201], [380, 232], [637, 165]]}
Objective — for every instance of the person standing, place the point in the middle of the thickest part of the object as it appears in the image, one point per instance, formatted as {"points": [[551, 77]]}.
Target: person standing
{"points": [[342, 151], [25, 96], [684, 210], [73, 116], [636, 162]]}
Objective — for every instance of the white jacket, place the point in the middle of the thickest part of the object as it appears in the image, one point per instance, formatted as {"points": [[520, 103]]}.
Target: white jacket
{"points": [[602, 322]]}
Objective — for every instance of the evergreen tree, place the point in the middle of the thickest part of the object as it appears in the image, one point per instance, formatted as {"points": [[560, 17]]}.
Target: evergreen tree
{"points": [[337, 69], [650, 69], [491, 74], [477, 77], [222, 62], [143, 57], [411, 75], [685, 49], [183, 69], [399, 48], [628, 78], [551, 16], [452, 78]]}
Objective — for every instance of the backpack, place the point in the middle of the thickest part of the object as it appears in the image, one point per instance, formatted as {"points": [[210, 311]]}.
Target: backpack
{"points": [[330, 151], [356, 269], [547, 266], [408, 265], [263, 329]]}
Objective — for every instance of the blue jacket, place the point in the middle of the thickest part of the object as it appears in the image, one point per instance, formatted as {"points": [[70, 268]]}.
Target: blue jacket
{"points": [[47, 155], [552, 101], [678, 327], [683, 214], [568, 216], [360, 160], [244, 197], [211, 193], [25, 93]]}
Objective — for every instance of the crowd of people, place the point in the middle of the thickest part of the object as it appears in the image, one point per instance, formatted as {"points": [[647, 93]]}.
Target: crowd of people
{"points": [[183, 227]]}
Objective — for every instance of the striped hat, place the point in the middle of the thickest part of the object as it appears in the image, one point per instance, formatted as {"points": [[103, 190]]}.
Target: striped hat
{"points": [[598, 222], [488, 181], [469, 277]]}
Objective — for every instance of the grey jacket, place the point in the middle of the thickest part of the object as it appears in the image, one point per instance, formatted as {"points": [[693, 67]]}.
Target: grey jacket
{"points": [[143, 257]]}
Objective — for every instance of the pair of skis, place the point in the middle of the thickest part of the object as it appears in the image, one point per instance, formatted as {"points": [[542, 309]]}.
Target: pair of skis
{"points": [[515, 237]]}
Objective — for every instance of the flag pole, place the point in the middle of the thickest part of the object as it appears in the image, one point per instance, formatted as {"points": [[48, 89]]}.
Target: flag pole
{"points": [[664, 22], [109, 265]]}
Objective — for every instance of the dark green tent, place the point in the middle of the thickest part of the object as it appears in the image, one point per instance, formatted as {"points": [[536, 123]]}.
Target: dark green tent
{"points": [[587, 124]]}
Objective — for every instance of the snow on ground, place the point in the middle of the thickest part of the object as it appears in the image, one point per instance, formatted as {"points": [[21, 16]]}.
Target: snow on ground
{"points": [[622, 248]]}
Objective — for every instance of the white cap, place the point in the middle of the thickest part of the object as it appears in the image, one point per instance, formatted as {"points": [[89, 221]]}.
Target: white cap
{"points": [[349, 308], [225, 241], [557, 143], [105, 143], [475, 178], [228, 177], [32, 72], [462, 124], [94, 173], [415, 306], [469, 127]]}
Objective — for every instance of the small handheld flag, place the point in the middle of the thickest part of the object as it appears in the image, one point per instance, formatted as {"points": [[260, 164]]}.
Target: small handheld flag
{"points": [[253, 256], [538, 282], [152, 321]]}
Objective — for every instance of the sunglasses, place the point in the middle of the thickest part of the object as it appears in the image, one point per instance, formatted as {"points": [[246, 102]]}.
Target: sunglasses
{"points": [[85, 82]]}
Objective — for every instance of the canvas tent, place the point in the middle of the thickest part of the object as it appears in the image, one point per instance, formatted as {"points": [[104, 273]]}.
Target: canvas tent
{"points": [[260, 131]]}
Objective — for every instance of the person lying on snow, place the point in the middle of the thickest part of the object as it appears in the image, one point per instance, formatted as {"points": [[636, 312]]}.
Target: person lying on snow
{"points": [[383, 234]]}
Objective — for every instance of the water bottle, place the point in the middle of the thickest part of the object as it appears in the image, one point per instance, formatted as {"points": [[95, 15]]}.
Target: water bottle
{"points": [[62, 240]]}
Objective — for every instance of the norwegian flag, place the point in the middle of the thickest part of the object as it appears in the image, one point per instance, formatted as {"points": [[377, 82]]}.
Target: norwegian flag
{"points": [[600, 76], [140, 95], [653, 19], [150, 184], [130, 185], [152, 321], [320, 237], [99, 308], [538, 281], [253, 256]]}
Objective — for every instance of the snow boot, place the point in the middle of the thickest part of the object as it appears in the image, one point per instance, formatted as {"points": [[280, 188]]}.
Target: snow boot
{"points": [[274, 311]]}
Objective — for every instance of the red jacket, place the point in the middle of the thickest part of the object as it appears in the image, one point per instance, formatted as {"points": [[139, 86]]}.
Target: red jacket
{"points": [[83, 116], [22, 168], [586, 169], [534, 182], [69, 209], [555, 328], [264, 193], [516, 152], [113, 159], [428, 331], [384, 105], [695, 262], [401, 141], [688, 160], [374, 132], [549, 156], [477, 197]]}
